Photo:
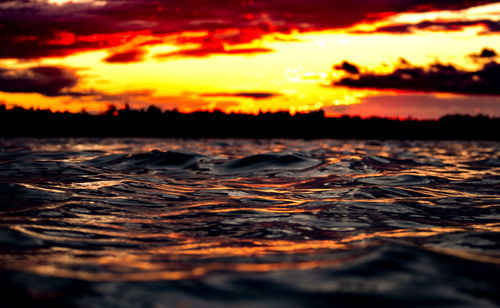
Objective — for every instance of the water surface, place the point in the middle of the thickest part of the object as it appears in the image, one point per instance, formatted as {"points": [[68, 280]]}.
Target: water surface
{"points": [[249, 223]]}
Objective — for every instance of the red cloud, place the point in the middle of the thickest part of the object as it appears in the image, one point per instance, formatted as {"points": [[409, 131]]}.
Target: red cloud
{"points": [[491, 26], [206, 51], [126, 56], [254, 95], [32, 29]]}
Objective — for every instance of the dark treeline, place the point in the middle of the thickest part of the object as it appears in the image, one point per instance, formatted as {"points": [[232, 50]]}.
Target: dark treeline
{"points": [[153, 122]]}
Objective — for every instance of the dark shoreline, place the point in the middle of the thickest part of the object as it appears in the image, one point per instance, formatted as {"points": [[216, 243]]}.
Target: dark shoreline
{"points": [[20, 122]]}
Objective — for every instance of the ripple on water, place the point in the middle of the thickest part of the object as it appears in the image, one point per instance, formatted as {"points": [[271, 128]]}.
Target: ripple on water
{"points": [[159, 222], [15, 196], [396, 180], [150, 160], [264, 162]]}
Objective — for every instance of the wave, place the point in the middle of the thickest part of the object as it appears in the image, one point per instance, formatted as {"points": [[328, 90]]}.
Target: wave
{"points": [[390, 275], [250, 223], [149, 160], [397, 180], [267, 162]]}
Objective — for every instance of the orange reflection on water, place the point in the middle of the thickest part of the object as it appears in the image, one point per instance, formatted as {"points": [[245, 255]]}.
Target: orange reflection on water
{"points": [[150, 226], [141, 266], [174, 261], [150, 274], [217, 248], [469, 255], [266, 210], [424, 232]]}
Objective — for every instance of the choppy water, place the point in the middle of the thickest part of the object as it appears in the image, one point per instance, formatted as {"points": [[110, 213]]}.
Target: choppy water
{"points": [[249, 223]]}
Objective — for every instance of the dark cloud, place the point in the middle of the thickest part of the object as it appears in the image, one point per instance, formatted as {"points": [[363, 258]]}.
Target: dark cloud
{"points": [[486, 53], [491, 26], [32, 29], [254, 95], [348, 67], [206, 51], [126, 56], [54, 81], [437, 78], [46, 80]]}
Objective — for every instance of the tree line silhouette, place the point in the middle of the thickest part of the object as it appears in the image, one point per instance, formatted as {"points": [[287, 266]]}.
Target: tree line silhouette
{"points": [[153, 122]]}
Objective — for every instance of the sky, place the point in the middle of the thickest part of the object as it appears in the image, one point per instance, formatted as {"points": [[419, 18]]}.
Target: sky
{"points": [[389, 58]]}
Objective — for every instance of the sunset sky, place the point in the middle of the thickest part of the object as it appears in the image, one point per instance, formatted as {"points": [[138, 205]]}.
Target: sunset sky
{"points": [[393, 58]]}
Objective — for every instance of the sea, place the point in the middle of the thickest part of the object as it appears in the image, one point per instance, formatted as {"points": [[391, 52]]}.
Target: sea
{"points": [[143, 222]]}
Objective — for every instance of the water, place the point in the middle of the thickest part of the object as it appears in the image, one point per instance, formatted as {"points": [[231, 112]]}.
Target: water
{"points": [[249, 223]]}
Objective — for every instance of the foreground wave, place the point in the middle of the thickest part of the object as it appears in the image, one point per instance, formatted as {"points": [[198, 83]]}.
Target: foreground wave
{"points": [[146, 222]]}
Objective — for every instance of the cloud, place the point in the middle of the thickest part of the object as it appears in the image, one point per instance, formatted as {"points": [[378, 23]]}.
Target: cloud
{"points": [[437, 78], [126, 56], [206, 51], [254, 95], [452, 25], [33, 29], [348, 67], [486, 53], [46, 80]]}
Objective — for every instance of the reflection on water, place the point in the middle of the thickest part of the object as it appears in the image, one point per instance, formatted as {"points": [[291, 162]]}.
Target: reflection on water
{"points": [[253, 221]]}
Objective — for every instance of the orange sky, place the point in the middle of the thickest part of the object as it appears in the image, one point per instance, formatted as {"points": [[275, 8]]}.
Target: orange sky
{"points": [[238, 67]]}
